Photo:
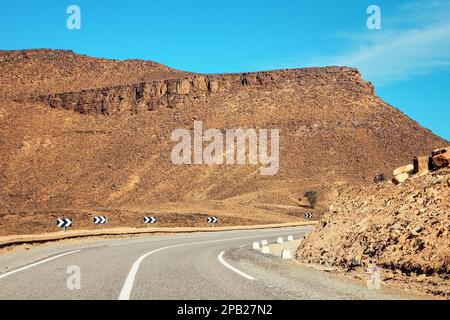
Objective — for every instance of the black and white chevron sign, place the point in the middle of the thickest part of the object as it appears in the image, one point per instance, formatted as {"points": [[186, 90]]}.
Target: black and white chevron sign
{"points": [[308, 215], [150, 220], [212, 219], [100, 220], [63, 223]]}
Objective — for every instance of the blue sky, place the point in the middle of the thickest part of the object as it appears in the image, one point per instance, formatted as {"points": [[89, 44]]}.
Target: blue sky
{"points": [[408, 60]]}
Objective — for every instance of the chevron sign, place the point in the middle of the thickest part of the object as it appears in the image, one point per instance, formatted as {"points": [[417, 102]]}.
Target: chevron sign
{"points": [[100, 220], [150, 220], [213, 219], [63, 223], [308, 215]]}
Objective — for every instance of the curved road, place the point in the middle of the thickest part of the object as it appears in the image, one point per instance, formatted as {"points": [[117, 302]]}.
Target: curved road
{"points": [[216, 265]]}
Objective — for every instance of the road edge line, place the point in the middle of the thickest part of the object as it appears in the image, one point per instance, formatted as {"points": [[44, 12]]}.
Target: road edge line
{"points": [[34, 264], [125, 292], [227, 265]]}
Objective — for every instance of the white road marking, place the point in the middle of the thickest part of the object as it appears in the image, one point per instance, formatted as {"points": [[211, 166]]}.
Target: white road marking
{"points": [[159, 239], [239, 272], [131, 242], [125, 293], [36, 264]]}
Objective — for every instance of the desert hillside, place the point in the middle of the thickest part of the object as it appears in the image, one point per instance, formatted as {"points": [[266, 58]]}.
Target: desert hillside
{"points": [[81, 135], [26, 73]]}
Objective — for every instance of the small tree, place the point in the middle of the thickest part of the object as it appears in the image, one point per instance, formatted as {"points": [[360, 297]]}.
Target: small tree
{"points": [[312, 198]]}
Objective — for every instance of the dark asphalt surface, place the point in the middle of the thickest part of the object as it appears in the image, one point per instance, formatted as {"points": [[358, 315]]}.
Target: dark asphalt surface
{"points": [[174, 267]]}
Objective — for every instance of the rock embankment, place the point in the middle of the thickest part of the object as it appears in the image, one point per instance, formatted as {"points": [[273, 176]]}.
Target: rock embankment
{"points": [[440, 158], [403, 229]]}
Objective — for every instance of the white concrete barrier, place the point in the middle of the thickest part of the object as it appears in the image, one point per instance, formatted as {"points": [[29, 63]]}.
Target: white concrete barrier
{"points": [[290, 238], [256, 245], [264, 243], [265, 249], [280, 240], [286, 254]]}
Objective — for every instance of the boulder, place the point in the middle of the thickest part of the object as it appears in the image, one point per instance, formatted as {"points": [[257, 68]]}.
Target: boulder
{"points": [[400, 178], [441, 160], [421, 165], [439, 151], [406, 168]]}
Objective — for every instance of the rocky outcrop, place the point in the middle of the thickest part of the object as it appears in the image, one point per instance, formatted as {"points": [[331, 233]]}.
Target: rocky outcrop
{"points": [[404, 230], [173, 93], [440, 158]]}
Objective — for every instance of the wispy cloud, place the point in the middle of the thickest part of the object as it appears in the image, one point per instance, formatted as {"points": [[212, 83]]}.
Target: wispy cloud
{"points": [[398, 52]]}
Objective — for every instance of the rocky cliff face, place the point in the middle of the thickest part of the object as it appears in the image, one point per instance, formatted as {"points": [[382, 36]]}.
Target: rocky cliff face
{"points": [[186, 92]]}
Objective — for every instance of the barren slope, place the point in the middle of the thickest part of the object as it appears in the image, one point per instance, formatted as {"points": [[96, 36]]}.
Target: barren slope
{"points": [[403, 229], [99, 139], [24, 73]]}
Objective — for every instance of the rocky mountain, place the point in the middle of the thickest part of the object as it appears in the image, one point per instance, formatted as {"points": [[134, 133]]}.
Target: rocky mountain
{"points": [[81, 135]]}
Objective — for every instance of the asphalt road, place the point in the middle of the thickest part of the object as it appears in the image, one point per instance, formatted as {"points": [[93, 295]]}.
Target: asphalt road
{"points": [[204, 266]]}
